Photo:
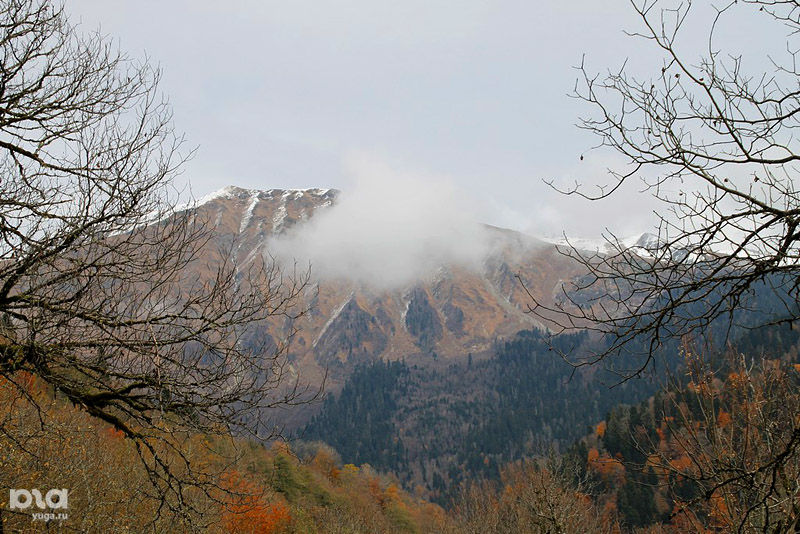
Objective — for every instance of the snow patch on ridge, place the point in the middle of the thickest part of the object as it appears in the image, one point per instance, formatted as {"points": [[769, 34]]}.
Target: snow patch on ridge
{"points": [[233, 191], [280, 215], [645, 243], [225, 192], [333, 317], [248, 214]]}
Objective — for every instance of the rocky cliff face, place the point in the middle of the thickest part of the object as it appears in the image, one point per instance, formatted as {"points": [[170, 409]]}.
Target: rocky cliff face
{"points": [[449, 315]]}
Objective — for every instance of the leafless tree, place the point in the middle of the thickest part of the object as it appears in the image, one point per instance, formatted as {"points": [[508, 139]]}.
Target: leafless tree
{"points": [[733, 442], [531, 499], [714, 138], [108, 292]]}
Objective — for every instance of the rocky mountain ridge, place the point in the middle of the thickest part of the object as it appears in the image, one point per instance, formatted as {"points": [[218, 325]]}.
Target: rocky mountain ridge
{"points": [[451, 314]]}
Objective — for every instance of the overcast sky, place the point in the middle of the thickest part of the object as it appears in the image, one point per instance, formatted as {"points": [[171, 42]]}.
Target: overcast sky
{"points": [[283, 94]]}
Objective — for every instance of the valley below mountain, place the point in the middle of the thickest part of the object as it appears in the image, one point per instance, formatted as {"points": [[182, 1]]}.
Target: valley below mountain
{"points": [[438, 380]]}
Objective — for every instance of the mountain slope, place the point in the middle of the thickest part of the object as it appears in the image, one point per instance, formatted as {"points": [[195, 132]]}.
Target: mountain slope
{"points": [[454, 312]]}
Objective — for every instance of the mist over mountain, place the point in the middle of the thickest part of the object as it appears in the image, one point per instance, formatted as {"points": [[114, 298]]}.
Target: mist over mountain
{"points": [[404, 276], [387, 283], [390, 230], [400, 267]]}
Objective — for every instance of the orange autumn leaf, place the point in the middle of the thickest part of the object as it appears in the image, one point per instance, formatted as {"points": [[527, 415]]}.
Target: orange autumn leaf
{"points": [[247, 511], [600, 429], [112, 433], [719, 510], [723, 419]]}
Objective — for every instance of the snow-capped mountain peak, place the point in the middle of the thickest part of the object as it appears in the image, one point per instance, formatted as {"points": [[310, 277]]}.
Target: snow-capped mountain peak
{"points": [[643, 244]]}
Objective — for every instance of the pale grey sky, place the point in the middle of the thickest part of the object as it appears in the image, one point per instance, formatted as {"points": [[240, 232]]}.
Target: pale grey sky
{"points": [[282, 94]]}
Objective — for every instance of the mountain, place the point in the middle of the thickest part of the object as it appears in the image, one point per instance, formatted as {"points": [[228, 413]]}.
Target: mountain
{"points": [[441, 379], [446, 317], [645, 244], [447, 377]]}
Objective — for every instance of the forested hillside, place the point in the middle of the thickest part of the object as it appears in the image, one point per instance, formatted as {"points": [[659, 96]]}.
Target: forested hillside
{"points": [[235, 485], [436, 427], [714, 449]]}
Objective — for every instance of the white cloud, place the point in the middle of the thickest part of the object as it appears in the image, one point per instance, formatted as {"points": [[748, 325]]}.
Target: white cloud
{"points": [[389, 228]]}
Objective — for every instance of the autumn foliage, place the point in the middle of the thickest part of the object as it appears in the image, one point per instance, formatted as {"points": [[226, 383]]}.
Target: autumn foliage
{"points": [[717, 452], [248, 511], [532, 497], [243, 487]]}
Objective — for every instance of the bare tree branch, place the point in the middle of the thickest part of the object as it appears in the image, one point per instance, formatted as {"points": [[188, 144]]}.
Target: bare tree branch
{"points": [[106, 289]]}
